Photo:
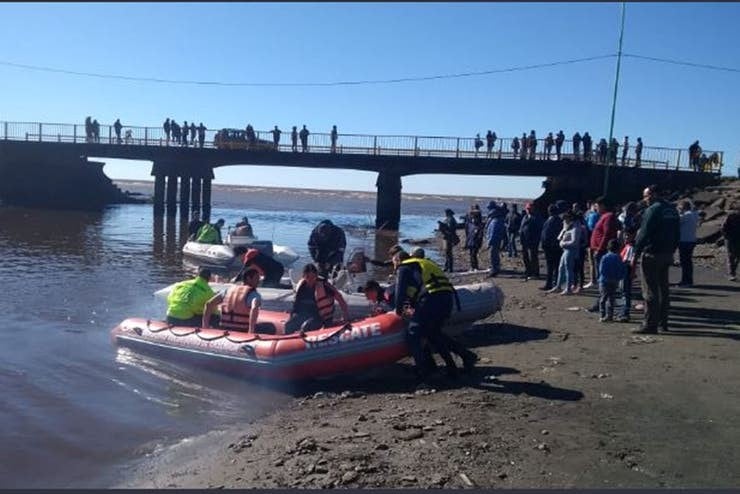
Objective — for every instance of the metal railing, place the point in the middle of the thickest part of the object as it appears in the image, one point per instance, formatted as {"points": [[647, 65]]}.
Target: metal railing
{"points": [[661, 158]]}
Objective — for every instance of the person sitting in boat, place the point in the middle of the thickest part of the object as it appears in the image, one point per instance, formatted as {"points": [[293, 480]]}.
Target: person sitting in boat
{"points": [[186, 300], [210, 233], [243, 228], [326, 245], [266, 265], [382, 299], [313, 307], [194, 225], [239, 306]]}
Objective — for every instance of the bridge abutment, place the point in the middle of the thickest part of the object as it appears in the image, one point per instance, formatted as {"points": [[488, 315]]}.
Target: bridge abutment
{"points": [[388, 202], [194, 188]]}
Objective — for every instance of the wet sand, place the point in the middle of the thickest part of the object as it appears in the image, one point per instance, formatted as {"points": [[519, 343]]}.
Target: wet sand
{"points": [[558, 400]]}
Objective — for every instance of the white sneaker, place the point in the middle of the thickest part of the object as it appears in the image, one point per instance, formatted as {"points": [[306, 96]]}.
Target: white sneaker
{"points": [[588, 285]]}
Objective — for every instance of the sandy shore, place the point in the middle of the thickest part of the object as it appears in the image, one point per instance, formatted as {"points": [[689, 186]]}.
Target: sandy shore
{"points": [[558, 400]]}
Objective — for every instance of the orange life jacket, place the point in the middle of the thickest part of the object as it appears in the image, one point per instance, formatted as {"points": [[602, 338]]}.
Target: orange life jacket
{"points": [[324, 301], [248, 257], [234, 310]]}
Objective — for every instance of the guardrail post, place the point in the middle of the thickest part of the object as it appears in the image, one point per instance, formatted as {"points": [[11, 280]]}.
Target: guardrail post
{"points": [[457, 152], [375, 145], [416, 146], [40, 131], [678, 160], [74, 133], [146, 136]]}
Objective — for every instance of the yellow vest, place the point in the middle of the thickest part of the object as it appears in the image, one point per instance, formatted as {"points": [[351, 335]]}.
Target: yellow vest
{"points": [[188, 297], [432, 277], [207, 234]]}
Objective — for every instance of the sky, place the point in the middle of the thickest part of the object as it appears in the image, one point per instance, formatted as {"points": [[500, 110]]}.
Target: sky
{"points": [[668, 105]]}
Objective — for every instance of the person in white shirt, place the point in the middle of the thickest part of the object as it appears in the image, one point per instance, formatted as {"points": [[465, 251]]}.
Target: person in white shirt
{"points": [[689, 223]]}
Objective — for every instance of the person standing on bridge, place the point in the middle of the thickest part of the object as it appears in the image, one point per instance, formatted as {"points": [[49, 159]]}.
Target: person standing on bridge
{"points": [[166, 127], [478, 144], [602, 150], [525, 145], [304, 138], [577, 146], [294, 139], [587, 146], [185, 129], [96, 130], [201, 135], [549, 142], [625, 150], [515, 147], [559, 140], [175, 132], [334, 135], [276, 138], [532, 141], [694, 155], [88, 129], [638, 152], [117, 128], [193, 130], [490, 142]]}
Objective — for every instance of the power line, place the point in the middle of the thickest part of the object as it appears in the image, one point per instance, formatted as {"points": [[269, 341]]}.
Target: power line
{"points": [[679, 62], [304, 84]]}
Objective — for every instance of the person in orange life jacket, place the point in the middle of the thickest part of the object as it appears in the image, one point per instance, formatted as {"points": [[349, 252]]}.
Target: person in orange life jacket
{"points": [[314, 303], [424, 296], [239, 305], [268, 267]]}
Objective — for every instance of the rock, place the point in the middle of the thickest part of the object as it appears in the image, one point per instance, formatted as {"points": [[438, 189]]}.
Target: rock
{"points": [[350, 476], [361, 434], [543, 447], [709, 232], [382, 447], [719, 203], [467, 480], [351, 394], [409, 478], [704, 197], [278, 463], [544, 432], [414, 434], [606, 396], [502, 475], [467, 432], [712, 213], [438, 479], [361, 418], [321, 470]]}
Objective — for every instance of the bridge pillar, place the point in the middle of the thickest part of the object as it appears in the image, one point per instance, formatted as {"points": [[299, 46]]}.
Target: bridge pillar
{"points": [[171, 195], [206, 198], [185, 197], [195, 195], [388, 205], [159, 195]]}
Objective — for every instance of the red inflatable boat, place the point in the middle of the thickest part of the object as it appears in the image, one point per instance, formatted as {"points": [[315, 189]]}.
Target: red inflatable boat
{"points": [[366, 343]]}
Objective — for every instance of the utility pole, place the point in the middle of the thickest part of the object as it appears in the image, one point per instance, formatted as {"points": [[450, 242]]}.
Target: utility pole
{"points": [[614, 103]]}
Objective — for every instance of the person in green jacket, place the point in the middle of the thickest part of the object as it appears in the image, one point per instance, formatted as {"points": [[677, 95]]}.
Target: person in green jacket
{"points": [[657, 240], [186, 300], [210, 233]]}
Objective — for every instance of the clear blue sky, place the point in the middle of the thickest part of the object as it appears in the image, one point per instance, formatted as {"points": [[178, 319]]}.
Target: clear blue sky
{"points": [[667, 105]]}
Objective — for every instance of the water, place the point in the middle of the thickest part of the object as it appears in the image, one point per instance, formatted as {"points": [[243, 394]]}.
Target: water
{"points": [[75, 409]]}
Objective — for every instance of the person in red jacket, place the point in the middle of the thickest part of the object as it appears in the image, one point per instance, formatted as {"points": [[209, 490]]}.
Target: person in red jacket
{"points": [[606, 229]]}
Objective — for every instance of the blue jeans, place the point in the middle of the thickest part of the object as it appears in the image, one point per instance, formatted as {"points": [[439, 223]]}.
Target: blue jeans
{"points": [[495, 257], [565, 269], [512, 244], [626, 293], [607, 294]]}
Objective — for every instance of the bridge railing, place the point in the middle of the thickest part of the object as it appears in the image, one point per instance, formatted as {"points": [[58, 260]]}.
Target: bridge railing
{"points": [[661, 158]]}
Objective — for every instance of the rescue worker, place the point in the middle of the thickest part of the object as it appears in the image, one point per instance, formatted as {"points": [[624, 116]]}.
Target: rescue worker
{"points": [[313, 307], [382, 299], [243, 228], [267, 266], [239, 306], [194, 225], [326, 245], [186, 300], [210, 233], [424, 295]]}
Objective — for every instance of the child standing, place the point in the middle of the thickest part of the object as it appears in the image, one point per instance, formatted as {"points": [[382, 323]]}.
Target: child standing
{"points": [[611, 272], [627, 255]]}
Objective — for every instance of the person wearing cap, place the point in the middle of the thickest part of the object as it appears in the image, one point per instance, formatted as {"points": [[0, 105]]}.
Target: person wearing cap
{"points": [[495, 229], [243, 228], [187, 299], [529, 235], [210, 233], [326, 244], [448, 228]]}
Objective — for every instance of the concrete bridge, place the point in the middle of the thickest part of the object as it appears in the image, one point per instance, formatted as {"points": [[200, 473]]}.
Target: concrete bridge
{"points": [[186, 170]]}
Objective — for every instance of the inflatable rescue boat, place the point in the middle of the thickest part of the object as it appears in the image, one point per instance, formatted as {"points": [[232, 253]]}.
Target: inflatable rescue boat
{"points": [[224, 255]]}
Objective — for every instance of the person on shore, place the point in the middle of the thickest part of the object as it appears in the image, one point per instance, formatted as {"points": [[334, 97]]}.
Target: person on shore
{"points": [[689, 222], [559, 140], [424, 296], [592, 217], [448, 229], [270, 269], [117, 129], [587, 146], [495, 231], [577, 146], [194, 225], [581, 252], [210, 233], [187, 299], [478, 143], [611, 272], [529, 235], [515, 147], [244, 228], [569, 241], [605, 230], [238, 306], [628, 255], [327, 244], [513, 223], [628, 220], [294, 139], [656, 241], [303, 134], [504, 211], [549, 142], [313, 307], [474, 234], [201, 135], [625, 150], [334, 136], [638, 153], [550, 245], [731, 233], [166, 127]]}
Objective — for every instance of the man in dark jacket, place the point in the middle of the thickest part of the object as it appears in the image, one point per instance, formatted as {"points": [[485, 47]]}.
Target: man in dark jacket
{"points": [[529, 234], [551, 246], [513, 223], [448, 228], [731, 232], [326, 246], [656, 241]]}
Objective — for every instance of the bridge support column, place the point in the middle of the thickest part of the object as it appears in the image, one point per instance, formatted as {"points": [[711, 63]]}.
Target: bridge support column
{"points": [[159, 195], [206, 198], [171, 195], [185, 197], [195, 195], [388, 205]]}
